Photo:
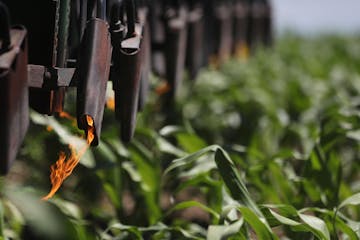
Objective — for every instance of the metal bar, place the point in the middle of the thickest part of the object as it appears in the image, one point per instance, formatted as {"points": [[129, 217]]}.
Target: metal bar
{"points": [[63, 33], [4, 28], [92, 75], [49, 78], [131, 19], [14, 110]]}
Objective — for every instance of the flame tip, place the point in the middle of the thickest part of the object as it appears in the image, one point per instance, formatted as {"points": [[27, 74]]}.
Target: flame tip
{"points": [[64, 166]]}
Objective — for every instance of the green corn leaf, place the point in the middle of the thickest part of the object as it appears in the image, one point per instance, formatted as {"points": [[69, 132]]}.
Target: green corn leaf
{"points": [[189, 204], [166, 147], [319, 226], [342, 223], [232, 180], [158, 227], [342, 226], [170, 130], [228, 172], [189, 159], [262, 230], [1, 220], [136, 234], [284, 220], [353, 200], [118, 147], [112, 194], [299, 222], [355, 135], [190, 142], [219, 232]]}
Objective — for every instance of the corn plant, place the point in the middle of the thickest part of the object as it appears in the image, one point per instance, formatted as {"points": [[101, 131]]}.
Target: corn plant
{"points": [[266, 148]]}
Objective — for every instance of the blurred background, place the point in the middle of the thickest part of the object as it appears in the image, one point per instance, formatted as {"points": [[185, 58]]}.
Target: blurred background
{"points": [[288, 116], [313, 17]]}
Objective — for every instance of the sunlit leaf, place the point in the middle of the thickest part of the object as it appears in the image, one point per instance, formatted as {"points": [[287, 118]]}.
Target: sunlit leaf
{"points": [[189, 204], [219, 232], [188, 159], [261, 229], [317, 224], [353, 200]]}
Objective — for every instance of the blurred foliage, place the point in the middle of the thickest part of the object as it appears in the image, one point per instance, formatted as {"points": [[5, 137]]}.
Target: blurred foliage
{"points": [[266, 148]]}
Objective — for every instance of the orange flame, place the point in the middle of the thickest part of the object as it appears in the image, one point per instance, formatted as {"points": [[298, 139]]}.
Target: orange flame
{"points": [[242, 51], [214, 61], [163, 88], [49, 128], [67, 116], [110, 103], [90, 129], [62, 169]]}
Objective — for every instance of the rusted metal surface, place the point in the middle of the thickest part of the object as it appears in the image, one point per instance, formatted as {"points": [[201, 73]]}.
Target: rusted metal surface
{"points": [[240, 25], [92, 74], [40, 25], [195, 40], [127, 63], [218, 17], [43, 28], [175, 45], [160, 36], [129, 42], [5, 40], [14, 110], [223, 27], [157, 30], [146, 58], [45, 83], [49, 78], [209, 32], [257, 23], [268, 28]]}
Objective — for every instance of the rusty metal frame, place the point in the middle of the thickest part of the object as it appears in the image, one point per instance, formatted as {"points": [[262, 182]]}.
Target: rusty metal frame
{"points": [[14, 110]]}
